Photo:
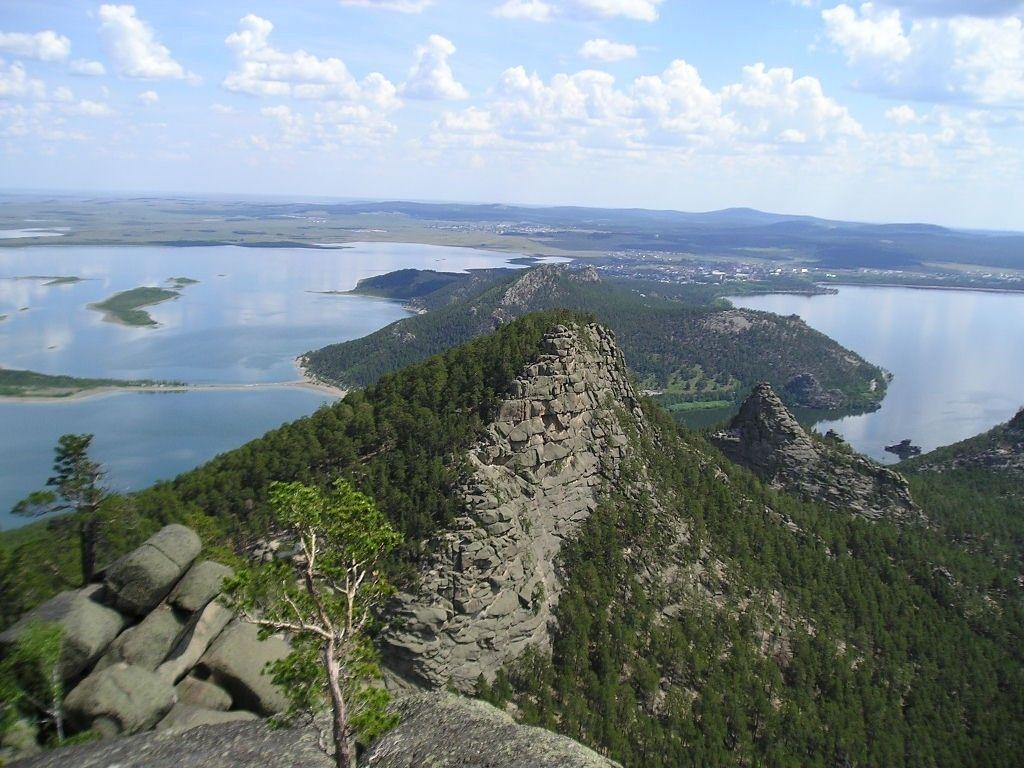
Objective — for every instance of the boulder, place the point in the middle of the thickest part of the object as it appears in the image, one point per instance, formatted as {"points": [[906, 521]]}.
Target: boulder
{"points": [[185, 717], [236, 662], [203, 630], [149, 643], [119, 700], [202, 694], [89, 627], [253, 744], [141, 579], [442, 730], [200, 585]]}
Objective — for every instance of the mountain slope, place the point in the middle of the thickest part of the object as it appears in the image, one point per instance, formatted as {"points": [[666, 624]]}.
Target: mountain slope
{"points": [[689, 615], [693, 353]]}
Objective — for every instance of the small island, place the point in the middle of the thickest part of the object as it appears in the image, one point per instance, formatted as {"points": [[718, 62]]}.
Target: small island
{"points": [[181, 282], [126, 307], [17, 383], [63, 280]]}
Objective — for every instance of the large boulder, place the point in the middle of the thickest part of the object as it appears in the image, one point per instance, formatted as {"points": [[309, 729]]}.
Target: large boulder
{"points": [[199, 586], [201, 632], [149, 643], [254, 744], [141, 579], [185, 717], [443, 730], [119, 700], [236, 662], [202, 694], [89, 627]]}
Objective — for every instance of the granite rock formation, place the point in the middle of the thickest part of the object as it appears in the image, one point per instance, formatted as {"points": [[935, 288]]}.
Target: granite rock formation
{"points": [[488, 589], [152, 645], [767, 439]]}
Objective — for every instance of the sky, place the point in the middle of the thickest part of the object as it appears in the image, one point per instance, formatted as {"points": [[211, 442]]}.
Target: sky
{"points": [[893, 110]]}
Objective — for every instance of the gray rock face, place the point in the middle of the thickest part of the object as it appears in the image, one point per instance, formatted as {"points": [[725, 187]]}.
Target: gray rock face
{"points": [[89, 627], [488, 591], [235, 662], [199, 586], [202, 694], [203, 629], [122, 699], [148, 643], [805, 390], [141, 579], [766, 438], [185, 717], [234, 745], [442, 730]]}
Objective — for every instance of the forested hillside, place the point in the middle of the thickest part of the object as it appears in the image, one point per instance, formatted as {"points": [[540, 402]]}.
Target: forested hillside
{"points": [[705, 619], [693, 353]]}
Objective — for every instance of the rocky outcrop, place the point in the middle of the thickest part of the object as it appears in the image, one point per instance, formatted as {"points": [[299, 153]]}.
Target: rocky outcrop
{"points": [[1001, 449], [87, 624], [442, 730], [437, 730], [487, 591], [142, 578], [805, 390], [766, 438], [127, 668], [234, 745]]}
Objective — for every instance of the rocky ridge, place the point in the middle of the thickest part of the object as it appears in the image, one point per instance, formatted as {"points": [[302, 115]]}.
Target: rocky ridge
{"points": [[488, 590], [767, 439], [1001, 449]]}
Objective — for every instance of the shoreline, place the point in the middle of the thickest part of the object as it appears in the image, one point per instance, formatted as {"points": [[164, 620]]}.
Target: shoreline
{"points": [[159, 389], [921, 287]]}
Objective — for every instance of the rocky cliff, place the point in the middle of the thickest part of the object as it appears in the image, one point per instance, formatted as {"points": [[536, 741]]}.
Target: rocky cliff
{"points": [[487, 591], [767, 439]]}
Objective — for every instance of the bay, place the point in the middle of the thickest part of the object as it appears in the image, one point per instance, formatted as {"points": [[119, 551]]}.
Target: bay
{"points": [[252, 311], [955, 356]]}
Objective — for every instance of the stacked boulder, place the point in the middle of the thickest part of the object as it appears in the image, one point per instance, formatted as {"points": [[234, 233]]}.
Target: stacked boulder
{"points": [[152, 646]]}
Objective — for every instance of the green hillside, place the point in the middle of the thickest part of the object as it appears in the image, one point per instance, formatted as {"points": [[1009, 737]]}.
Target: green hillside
{"points": [[693, 353], [705, 619]]}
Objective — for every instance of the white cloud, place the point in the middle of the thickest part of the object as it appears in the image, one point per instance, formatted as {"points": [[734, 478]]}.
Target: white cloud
{"points": [[402, 6], [602, 49], [869, 34], [223, 109], [15, 83], [962, 58], [86, 67], [44, 46], [531, 10], [939, 8], [768, 108], [149, 97], [540, 10], [431, 77], [133, 47], [262, 70], [87, 108], [640, 10], [902, 115]]}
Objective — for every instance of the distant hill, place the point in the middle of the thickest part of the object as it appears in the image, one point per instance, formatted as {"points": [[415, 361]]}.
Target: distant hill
{"points": [[689, 353]]}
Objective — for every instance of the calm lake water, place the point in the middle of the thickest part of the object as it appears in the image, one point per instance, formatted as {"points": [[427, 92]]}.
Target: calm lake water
{"points": [[956, 359], [251, 313]]}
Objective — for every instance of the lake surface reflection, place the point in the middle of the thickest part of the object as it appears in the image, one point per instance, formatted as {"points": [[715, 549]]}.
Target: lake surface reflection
{"points": [[251, 313], [956, 359]]}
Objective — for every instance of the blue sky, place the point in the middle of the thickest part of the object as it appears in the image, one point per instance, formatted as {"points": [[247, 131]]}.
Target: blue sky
{"points": [[894, 110]]}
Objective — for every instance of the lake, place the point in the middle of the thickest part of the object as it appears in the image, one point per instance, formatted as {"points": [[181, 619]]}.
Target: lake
{"points": [[252, 311], [955, 357]]}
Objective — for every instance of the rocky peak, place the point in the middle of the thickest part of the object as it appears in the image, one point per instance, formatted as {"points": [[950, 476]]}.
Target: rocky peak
{"points": [[487, 591], [1017, 422], [767, 439]]}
